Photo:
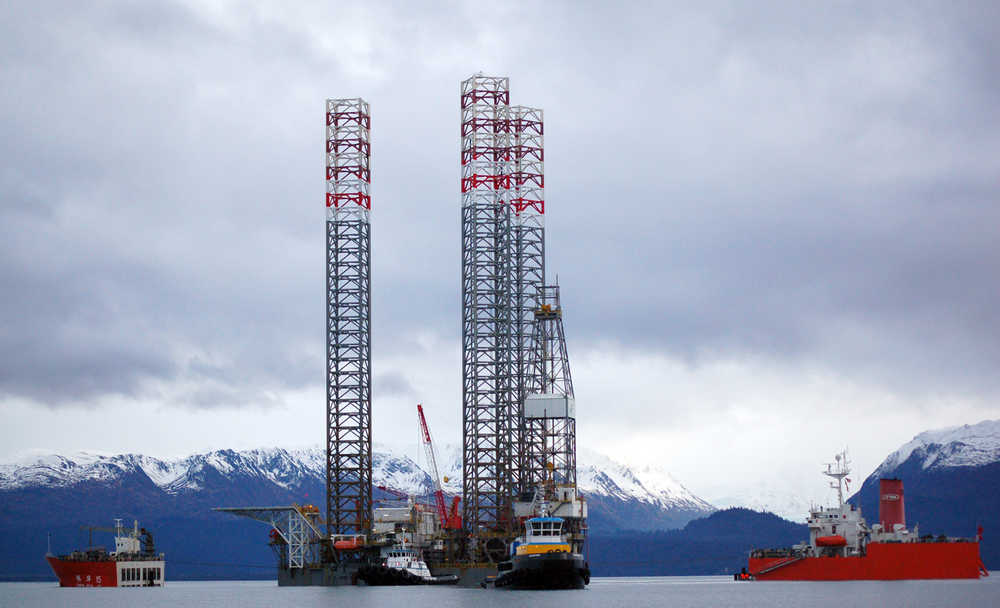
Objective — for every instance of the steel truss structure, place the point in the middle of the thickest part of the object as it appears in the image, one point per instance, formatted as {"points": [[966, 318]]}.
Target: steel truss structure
{"points": [[486, 484], [348, 308], [296, 529], [503, 274], [551, 437], [527, 270]]}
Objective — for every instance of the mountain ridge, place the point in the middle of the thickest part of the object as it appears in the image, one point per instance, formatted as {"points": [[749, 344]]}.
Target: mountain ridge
{"points": [[622, 497], [955, 446]]}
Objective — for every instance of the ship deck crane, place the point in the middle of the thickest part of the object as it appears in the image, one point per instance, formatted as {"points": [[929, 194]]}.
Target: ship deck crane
{"points": [[90, 533], [452, 521]]}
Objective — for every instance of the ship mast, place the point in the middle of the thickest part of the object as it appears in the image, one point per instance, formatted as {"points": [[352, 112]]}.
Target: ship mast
{"points": [[838, 470]]}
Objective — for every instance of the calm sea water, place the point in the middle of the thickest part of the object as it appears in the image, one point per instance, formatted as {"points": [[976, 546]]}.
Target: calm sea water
{"points": [[604, 592]]}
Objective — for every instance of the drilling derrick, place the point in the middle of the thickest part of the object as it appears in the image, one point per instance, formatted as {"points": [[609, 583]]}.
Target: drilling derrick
{"points": [[527, 271], [485, 313], [550, 414], [550, 422], [348, 308]]}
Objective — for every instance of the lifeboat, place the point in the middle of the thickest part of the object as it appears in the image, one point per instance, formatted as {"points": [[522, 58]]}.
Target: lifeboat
{"points": [[348, 544], [835, 540]]}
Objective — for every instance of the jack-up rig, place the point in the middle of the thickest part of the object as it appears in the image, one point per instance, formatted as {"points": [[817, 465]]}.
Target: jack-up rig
{"points": [[518, 409], [519, 413]]}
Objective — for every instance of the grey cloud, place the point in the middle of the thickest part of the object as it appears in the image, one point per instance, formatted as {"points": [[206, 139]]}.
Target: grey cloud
{"points": [[392, 384], [804, 182]]}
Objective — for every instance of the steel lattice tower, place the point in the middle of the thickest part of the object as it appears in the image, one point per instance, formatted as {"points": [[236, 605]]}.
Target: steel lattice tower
{"points": [[348, 308], [485, 307], [551, 438], [527, 270]]}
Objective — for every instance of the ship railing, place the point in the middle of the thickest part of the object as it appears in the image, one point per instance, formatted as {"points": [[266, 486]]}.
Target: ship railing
{"points": [[768, 553], [930, 538], [782, 564]]}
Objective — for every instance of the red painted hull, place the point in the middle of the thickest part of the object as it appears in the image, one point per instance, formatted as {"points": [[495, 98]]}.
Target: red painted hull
{"points": [[74, 573], [884, 561]]}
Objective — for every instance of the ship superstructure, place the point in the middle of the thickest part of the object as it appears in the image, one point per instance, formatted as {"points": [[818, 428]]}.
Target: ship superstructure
{"points": [[842, 546], [838, 530]]}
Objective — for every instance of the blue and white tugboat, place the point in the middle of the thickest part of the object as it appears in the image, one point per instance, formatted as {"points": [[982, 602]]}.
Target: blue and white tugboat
{"points": [[543, 559]]}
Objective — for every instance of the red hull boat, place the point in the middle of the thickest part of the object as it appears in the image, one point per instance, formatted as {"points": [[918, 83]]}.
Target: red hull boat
{"points": [[842, 547], [134, 563], [881, 562]]}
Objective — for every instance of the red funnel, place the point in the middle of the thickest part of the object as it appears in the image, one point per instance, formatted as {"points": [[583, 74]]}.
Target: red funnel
{"points": [[891, 510]]}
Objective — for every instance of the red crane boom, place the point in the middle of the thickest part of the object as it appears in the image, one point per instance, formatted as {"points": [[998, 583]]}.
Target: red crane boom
{"points": [[448, 522], [394, 492]]}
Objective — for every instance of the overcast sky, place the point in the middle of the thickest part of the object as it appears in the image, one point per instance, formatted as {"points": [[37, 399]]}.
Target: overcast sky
{"points": [[776, 226]]}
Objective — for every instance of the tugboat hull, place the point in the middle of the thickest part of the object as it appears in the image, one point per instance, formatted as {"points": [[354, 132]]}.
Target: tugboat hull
{"points": [[545, 571], [378, 576]]}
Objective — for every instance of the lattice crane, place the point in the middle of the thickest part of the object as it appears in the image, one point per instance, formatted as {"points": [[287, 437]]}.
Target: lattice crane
{"points": [[450, 521]]}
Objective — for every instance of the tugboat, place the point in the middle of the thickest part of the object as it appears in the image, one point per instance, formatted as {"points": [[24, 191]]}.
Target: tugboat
{"points": [[402, 565], [134, 562], [842, 547], [542, 559]]}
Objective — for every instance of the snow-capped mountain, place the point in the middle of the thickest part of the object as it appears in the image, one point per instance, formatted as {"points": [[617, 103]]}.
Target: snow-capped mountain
{"points": [[598, 475], [956, 446], [949, 479], [782, 501], [288, 469], [620, 497], [173, 476]]}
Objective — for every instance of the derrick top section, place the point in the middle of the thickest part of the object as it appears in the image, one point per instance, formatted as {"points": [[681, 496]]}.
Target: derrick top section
{"points": [[549, 306], [348, 159], [553, 358]]}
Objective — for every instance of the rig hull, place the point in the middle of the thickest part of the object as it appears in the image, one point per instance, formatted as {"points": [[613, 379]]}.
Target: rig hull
{"points": [[326, 575], [882, 561]]}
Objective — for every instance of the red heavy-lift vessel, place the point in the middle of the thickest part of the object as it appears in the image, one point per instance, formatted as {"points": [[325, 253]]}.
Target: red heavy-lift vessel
{"points": [[842, 547]]}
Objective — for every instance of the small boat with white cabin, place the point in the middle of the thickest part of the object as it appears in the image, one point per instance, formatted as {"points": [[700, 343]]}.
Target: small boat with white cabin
{"points": [[402, 565]]}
